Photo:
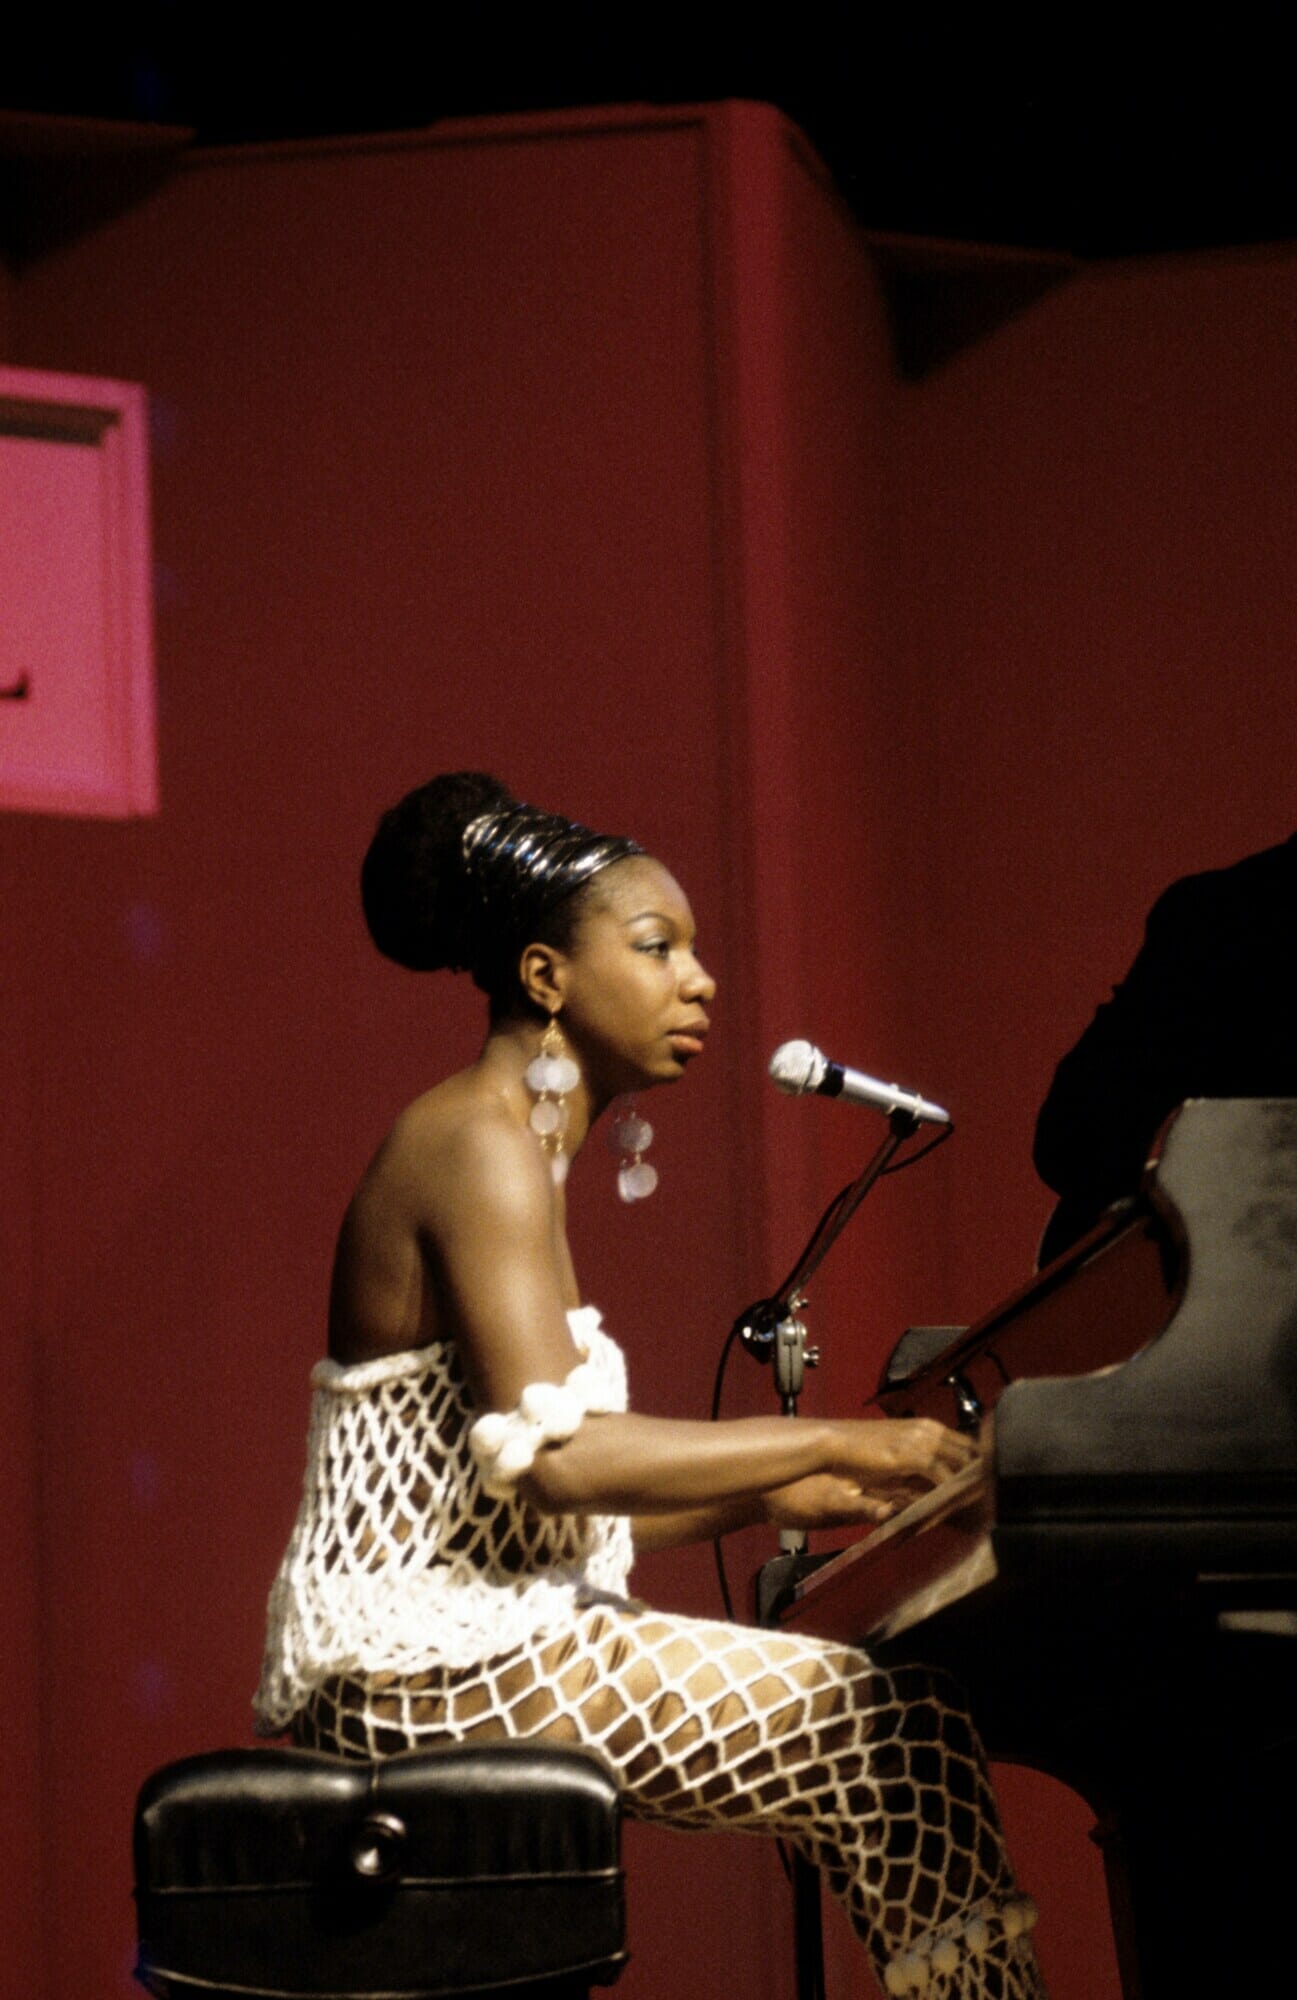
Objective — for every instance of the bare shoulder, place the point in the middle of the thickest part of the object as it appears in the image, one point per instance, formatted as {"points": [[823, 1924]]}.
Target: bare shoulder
{"points": [[457, 1152], [457, 1195]]}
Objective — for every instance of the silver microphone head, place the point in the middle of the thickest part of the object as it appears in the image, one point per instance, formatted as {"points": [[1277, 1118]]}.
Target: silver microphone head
{"points": [[796, 1067]]}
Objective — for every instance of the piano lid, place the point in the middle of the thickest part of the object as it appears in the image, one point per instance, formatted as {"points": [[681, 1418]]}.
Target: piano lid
{"points": [[1177, 1462], [1201, 1421]]}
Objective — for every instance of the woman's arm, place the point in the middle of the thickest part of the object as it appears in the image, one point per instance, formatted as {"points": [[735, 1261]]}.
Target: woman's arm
{"points": [[820, 1501], [693, 1524], [490, 1228], [650, 1465]]}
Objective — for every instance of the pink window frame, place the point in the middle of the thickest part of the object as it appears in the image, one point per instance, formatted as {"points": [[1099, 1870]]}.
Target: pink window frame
{"points": [[113, 417]]}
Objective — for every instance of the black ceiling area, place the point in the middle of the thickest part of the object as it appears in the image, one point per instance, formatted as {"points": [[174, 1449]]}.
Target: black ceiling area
{"points": [[1083, 150]]}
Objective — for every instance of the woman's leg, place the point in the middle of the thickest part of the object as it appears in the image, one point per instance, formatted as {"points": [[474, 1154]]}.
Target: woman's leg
{"points": [[877, 1777]]}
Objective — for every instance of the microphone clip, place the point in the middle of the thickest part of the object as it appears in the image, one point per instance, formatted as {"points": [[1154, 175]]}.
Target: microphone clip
{"points": [[771, 1332]]}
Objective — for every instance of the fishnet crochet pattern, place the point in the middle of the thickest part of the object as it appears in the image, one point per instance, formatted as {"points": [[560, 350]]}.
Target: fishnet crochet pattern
{"points": [[876, 1777], [400, 1559]]}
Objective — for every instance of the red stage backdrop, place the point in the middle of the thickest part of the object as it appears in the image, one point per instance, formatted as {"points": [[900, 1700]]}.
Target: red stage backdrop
{"points": [[577, 448]]}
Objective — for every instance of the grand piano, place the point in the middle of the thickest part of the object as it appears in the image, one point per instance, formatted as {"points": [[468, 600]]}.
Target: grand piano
{"points": [[1116, 1583]]}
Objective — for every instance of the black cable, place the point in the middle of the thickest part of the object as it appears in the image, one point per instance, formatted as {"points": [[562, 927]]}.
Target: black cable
{"points": [[719, 1554], [717, 1548], [821, 1228], [784, 1294], [730, 1339], [912, 1159]]}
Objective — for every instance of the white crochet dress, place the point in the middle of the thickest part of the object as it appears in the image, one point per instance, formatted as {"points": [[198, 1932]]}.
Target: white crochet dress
{"points": [[413, 1608], [399, 1560]]}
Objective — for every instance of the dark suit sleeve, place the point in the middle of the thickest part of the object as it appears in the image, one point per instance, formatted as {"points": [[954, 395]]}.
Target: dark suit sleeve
{"points": [[1133, 1065]]}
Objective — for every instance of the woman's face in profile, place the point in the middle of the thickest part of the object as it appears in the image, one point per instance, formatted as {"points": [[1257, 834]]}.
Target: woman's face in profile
{"points": [[636, 997]]}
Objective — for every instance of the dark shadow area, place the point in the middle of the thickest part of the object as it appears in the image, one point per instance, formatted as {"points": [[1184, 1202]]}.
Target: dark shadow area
{"points": [[926, 134]]}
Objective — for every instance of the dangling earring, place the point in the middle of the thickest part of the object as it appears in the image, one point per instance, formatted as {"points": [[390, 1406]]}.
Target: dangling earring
{"points": [[551, 1074], [636, 1179]]}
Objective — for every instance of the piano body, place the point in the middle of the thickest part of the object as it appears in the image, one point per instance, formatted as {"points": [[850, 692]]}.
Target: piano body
{"points": [[1116, 1585]]}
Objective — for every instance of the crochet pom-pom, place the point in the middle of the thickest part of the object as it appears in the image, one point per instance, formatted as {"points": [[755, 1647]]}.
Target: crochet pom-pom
{"points": [[516, 1455], [489, 1434], [505, 1446], [555, 1409], [907, 1974], [977, 1936], [939, 1953], [1018, 1917]]}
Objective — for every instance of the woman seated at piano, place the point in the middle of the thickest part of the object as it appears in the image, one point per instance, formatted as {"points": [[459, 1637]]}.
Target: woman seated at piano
{"points": [[477, 1485]]}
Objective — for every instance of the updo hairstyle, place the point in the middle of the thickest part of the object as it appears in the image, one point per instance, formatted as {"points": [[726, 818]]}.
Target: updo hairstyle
{"points": [[434, 901]]}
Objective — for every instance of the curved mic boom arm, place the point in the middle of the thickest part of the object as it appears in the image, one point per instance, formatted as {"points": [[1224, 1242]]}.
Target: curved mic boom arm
{"points": [[770, 1329]]}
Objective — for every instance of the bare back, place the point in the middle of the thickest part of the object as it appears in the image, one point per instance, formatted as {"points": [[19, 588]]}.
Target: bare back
{"points": [[433, 1218]]}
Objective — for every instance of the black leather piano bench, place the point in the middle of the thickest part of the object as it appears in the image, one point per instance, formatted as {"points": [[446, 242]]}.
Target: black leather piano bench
{"points": [[492, 1871]]}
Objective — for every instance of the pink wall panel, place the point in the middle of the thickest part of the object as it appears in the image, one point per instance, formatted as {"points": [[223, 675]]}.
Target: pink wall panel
{"points": [[77, 715]]}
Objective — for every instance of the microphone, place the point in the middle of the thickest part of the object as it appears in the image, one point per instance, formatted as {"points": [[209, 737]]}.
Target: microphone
{"points": [[799, 1066]]}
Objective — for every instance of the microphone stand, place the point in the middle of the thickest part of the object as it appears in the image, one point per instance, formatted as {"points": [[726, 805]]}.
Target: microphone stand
{"points": [[771, 1331]]}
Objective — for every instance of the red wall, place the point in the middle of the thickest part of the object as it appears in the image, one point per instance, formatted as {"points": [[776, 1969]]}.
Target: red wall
{"points": [[1092, 668], [434, 483], [578, 452], [1090, 682]]}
